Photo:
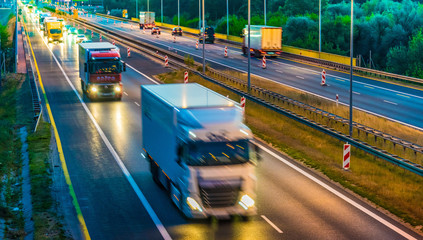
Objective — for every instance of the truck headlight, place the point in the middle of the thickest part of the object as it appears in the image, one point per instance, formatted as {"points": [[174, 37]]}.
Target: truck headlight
{"points": [[93, 89], [61, 38], [193, 204], [117, 89], [50, 39], [246, 202]]}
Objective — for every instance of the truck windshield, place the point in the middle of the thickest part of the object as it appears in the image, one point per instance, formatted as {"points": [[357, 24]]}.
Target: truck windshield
{"points": [[55, 31], [218, 153], [106, 67]]}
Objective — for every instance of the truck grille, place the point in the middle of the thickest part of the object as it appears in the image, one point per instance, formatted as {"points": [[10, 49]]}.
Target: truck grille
{"points": [[106, 88], [218, 194]]}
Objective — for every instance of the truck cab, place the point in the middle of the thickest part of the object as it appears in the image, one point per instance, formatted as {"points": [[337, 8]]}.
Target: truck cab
{"points": [[100, 70]]}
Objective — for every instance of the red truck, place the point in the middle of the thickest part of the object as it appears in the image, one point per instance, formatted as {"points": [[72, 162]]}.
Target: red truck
{"points": [[100, 70]]}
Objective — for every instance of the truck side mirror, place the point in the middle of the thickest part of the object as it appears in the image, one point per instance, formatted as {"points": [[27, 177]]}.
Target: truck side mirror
{"points": [[258, 152], [85, 67]]}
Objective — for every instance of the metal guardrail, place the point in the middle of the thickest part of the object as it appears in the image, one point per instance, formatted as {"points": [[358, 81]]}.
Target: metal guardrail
{"points": [[404, 163]]}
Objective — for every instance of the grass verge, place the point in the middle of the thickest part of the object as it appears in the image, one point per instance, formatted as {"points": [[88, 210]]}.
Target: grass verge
{"points": [[46, 221], [391, 187]]}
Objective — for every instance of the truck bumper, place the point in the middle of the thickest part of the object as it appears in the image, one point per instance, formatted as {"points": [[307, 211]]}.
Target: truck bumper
{"points": [[223, 213]]}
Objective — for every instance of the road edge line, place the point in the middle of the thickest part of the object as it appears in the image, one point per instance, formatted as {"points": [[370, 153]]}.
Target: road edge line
{"points": [[60, 150]]}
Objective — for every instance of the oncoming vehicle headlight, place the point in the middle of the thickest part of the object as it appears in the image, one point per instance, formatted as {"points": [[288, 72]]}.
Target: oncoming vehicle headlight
{"points": [[193, 204], [93, 89], [246, 202], [117, 89]]}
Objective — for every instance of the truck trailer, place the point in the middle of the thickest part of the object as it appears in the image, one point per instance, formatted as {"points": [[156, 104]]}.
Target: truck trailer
{"points": [[54, 31], [147, 20], [46, 20], [265, 41], [199, 150], [100, 70]]}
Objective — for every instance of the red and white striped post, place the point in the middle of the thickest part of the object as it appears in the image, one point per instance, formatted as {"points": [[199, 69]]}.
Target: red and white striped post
{"points": [[347, 155], [186, 77], [131, 26], [166, 61], [323, 82], [92, 34], [226, 51], [243, 104], [143, 30], [114, 22], [128, 50], [337, 99], [85, 30], [107, 20], [100, 38], [263, 63], [174, 39], [113, 42], [121, 24], [196, 45]]}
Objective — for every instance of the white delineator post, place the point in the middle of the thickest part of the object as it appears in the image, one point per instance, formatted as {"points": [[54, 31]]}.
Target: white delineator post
{"points": [[243, 105], [166, 61], [323, 83], [186, 77], [100, 38], [196, 45], [337, 99], [92, 34], [346, 156], [263, 63], [226, 51], [129, 52], [113, 42], [174, 39]]}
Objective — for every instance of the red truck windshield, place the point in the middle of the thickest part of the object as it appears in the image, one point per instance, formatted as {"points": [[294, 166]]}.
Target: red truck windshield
{"points": [[106, 67]]}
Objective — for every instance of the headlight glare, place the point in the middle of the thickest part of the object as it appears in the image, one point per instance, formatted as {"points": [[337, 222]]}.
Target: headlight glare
{"points": [[117, 89], [193, 204], [246, 201], [93, 89]]}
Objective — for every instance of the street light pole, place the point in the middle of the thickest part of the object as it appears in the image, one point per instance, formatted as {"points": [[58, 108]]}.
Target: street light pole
{"points": [[16, 39], [265, 13], [136, 9], [148, 5], [351, 67], [178, 13], [249, 51], [199, 14], [320, 26], [204, 41], [161, 9], [227, 18]]}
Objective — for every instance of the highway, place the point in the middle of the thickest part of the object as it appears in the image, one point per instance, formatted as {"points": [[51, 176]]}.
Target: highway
{"points": [[392, 101], [119, 200]]}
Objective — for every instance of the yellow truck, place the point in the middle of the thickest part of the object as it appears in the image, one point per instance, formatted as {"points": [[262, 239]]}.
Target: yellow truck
{"points": [[265, 41], [54, 31]]}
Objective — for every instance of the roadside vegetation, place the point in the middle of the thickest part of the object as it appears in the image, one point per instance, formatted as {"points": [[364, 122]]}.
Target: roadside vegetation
{"points": [[386, 185]]}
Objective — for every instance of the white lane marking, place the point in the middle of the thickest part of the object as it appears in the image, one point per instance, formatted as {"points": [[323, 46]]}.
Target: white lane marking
{"points": [[136, 104], [299, 77], [279, 71], [143, 74], [340, 195], [356, 93], [125, 93], [231, 57], [390, 102], [271, 224], [122, 166], [403, 96], [245, 61], [299, 89]]}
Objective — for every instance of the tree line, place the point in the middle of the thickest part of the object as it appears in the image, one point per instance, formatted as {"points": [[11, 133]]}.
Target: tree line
{"points": [[388, 34]]}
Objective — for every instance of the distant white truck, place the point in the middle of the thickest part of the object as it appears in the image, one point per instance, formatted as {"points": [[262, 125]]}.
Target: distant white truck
{"points": [[147, 20], [265, 41], [199, 150]]}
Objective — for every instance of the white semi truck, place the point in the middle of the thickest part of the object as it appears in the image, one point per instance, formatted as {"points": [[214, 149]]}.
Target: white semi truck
{"points": [[199, 150], [147, 20]]}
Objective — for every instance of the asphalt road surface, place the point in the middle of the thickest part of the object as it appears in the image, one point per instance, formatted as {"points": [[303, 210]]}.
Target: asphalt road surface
{"points": [[119, 200]]}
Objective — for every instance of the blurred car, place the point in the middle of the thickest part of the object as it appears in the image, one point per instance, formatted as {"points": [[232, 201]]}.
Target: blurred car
{"points": [[177, 31], [80, 38], [209, 35], [72, 30], [155, 30]]}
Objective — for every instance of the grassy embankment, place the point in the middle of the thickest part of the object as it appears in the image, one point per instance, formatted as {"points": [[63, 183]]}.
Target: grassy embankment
{"points": [[386, 185], [381, 124]]}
